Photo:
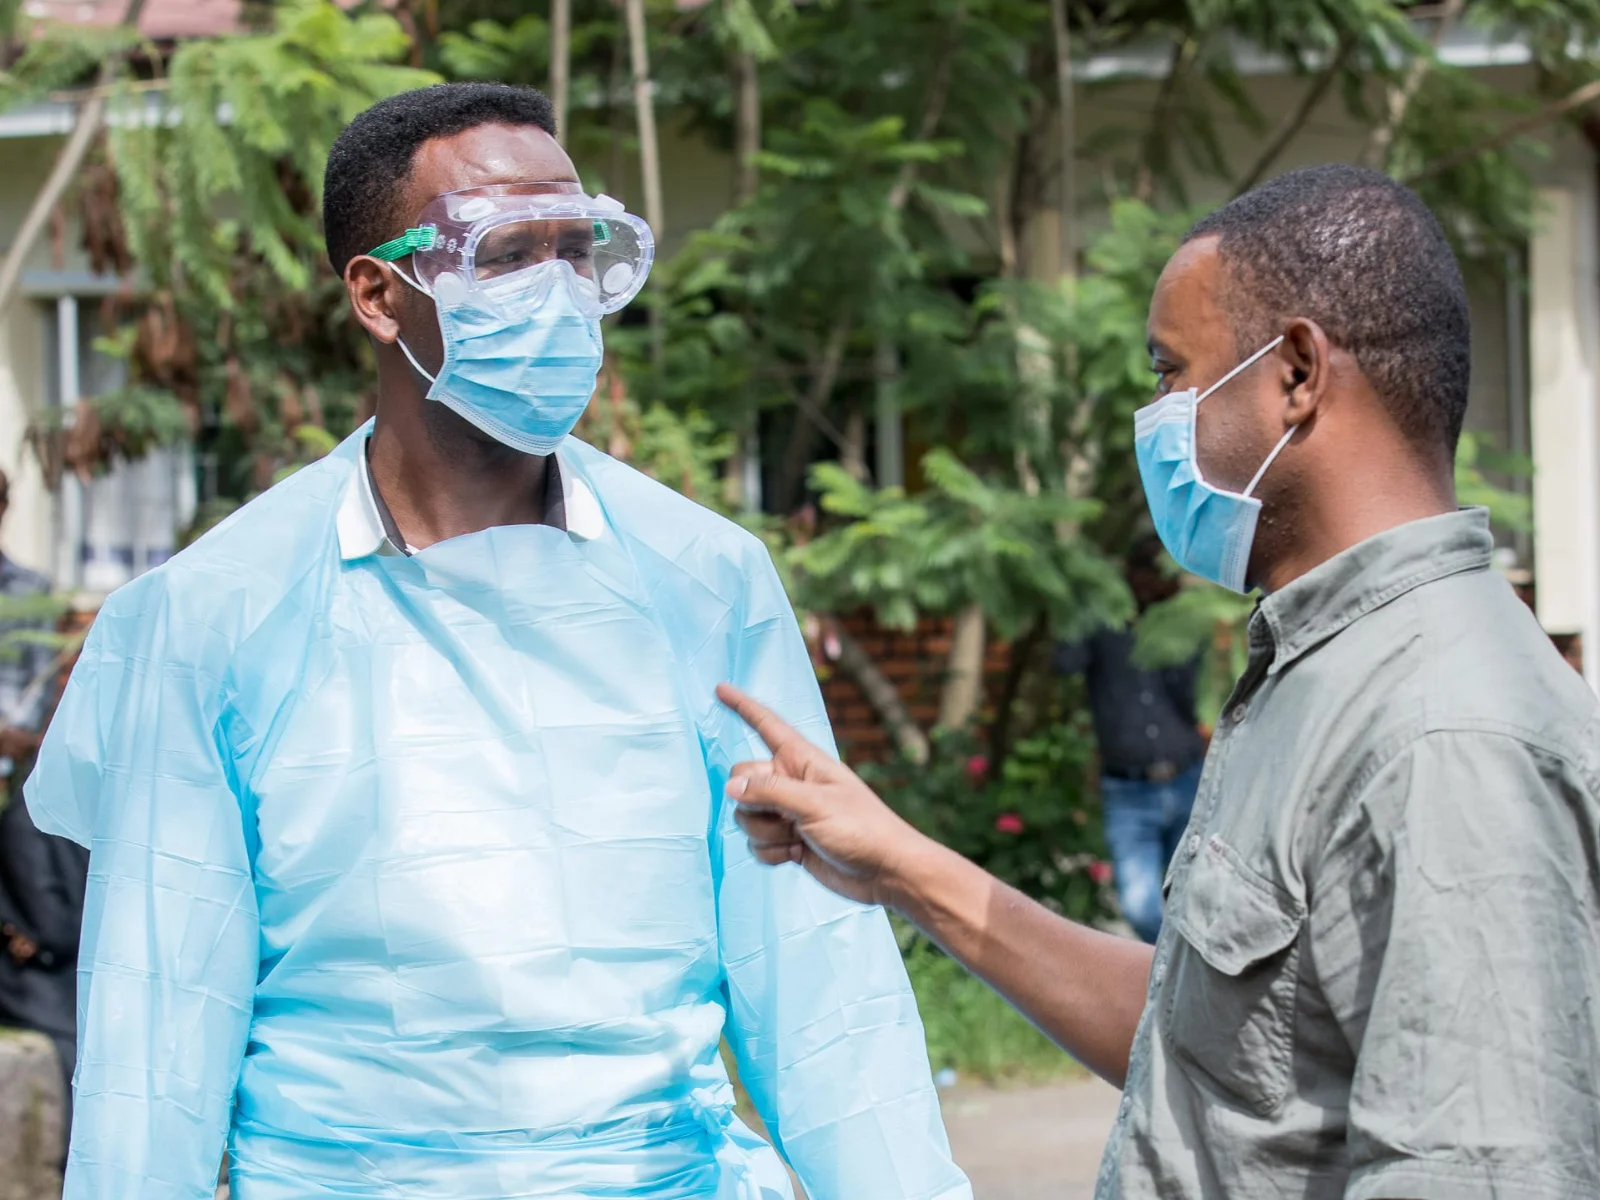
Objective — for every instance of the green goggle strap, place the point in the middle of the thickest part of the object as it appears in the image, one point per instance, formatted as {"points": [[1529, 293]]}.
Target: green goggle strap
{"points": [[424, 238], [410, 240]]}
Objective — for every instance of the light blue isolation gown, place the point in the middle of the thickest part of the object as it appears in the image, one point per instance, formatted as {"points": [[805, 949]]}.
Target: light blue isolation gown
{"points": [[412, 876]]}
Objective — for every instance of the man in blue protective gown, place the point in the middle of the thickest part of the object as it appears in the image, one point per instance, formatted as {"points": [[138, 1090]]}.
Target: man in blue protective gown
{"points": [[410, 869]]}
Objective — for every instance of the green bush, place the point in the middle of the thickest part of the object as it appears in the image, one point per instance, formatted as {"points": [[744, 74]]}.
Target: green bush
{"points": [[1036, 826], [971, 1030]]}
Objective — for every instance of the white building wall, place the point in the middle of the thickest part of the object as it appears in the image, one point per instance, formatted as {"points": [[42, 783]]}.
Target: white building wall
{"points": [[1564, 342]]}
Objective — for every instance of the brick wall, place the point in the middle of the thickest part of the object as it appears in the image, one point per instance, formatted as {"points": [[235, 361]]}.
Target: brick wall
{"points": [[913, 661]]}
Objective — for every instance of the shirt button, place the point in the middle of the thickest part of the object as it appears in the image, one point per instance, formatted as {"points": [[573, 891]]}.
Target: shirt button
{"points": [[1160, 974], [1152, 732], [1237, 715], [1193, 846], [1146, 698], [1127, 1103]]}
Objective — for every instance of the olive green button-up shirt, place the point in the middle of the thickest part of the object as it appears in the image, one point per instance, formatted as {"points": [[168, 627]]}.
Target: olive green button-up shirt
{"points": [[1379, 977]]}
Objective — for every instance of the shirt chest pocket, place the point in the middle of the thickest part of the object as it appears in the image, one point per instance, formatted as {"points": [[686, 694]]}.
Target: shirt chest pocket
{"points": [[1229, 1011]]}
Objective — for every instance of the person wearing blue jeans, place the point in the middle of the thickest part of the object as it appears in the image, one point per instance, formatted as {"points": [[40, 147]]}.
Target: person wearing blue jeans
{"points": [[1150, 744], [1144, 821]]}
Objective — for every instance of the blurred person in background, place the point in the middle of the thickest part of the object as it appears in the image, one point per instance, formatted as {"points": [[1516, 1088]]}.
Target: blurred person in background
{"points": [[1150, 745], [41, 877], [413, 873]]}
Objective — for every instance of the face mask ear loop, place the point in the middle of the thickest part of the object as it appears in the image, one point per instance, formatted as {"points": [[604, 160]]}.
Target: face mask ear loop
{"points": [[400, 341], [395, 267], [412, 359], [1277, 450], [1268, 348]]}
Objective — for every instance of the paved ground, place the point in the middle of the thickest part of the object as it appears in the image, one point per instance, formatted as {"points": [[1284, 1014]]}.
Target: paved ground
{"points": [[1037, 1143]]}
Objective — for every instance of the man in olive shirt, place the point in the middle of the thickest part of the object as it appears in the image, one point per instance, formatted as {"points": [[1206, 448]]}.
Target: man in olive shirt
{"points": [[1379, 977]]}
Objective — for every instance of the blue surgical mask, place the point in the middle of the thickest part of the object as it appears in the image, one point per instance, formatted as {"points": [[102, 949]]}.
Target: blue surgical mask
{"points": [[1207, 530], [521, 355]]}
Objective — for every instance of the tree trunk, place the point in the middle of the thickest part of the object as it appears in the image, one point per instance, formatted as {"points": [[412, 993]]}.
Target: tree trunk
{"points": [[853, 456], [747, 134], [1067, 134], [560, 62], [890, 448], [649, 151], [744, 465], [963, 685]]}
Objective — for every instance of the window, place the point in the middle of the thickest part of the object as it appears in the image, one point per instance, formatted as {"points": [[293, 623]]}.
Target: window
{"points": [[125, 520]]}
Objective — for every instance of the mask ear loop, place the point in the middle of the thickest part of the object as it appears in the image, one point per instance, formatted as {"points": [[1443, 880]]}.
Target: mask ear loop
{"points": [[1267, 349], [1277, 450], [400, 341]]}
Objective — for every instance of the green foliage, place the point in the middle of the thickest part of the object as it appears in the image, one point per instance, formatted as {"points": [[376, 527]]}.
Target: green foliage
{"points": [[286, 94], [1508, 509], [220, 207], [962, 541], [1036, 826], [971, 1029], [54, 54]]}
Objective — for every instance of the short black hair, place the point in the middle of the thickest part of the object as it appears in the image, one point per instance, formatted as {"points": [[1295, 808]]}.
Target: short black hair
{"points": [[1363, 257], [372, 156]]}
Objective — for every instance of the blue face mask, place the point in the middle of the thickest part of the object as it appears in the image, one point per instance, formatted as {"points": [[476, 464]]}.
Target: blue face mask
{"points": [[1208, 531], [521, 355]]}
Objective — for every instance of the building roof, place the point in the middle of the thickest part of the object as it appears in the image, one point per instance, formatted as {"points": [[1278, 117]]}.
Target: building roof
{"points": [[162, 20]]}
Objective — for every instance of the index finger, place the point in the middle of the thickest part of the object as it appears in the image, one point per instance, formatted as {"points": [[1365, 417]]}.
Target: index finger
{"points": [[772, 729]]}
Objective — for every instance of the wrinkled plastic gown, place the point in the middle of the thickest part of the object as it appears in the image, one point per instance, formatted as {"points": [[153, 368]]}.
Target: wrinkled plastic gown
{"points": [[412, 877]]}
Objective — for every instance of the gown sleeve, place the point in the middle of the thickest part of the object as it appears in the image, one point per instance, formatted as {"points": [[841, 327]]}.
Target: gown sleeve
{"points": [[821, 1016], [133, 767]]}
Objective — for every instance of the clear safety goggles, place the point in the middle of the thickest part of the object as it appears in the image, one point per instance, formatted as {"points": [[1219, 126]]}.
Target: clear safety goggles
{"points": [[493, 238]]}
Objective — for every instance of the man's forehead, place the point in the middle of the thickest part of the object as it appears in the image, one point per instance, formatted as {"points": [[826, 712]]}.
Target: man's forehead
{"points": [[483, 156], [1187, 293]]}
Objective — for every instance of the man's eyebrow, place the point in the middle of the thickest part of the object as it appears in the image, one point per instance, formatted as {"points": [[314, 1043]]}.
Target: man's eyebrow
{"points": [[1156, 348]]}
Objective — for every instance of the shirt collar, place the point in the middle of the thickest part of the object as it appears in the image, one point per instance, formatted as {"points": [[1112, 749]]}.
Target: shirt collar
{"points": [[1334, 595], [363, 531]]}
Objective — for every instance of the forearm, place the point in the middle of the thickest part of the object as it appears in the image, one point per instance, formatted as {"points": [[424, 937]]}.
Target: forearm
{"points": [[1084, 989]]}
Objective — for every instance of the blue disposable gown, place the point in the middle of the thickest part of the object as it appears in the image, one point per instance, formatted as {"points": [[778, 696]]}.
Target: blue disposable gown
{"points": [[413, 876]]}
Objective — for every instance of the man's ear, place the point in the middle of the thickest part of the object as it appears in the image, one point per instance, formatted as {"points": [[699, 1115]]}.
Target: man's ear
{"points": [[1304, 354], [374, 297]]}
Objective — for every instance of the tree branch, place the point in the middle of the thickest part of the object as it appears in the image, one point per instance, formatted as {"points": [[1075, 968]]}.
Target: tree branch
{"points": [[881, 694], [932, 112], [1376, 155], [1291, 125], [90, 118], [1587, 94], [1184, 51]]}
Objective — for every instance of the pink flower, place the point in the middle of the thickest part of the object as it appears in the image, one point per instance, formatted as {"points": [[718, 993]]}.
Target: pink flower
{"points": [[977, 767], [1100, 872], [1008, 823]]}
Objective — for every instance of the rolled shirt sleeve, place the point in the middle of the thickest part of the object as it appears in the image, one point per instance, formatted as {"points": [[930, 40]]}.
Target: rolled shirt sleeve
{"points": [[821, 1016], [133, 767], [1460, 951]]}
